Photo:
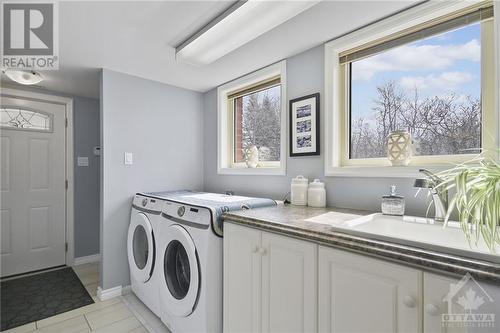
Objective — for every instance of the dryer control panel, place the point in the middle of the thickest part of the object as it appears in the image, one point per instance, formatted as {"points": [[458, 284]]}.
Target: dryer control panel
{"points": [[198, 217], [147, 204]]}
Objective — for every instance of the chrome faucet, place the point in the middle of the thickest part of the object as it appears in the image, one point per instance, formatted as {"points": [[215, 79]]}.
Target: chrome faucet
{"points": [[440, 196]]}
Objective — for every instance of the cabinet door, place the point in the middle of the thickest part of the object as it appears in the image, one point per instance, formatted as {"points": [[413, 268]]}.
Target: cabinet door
{"points": [[362, 294], [453, 297], [289, 277], [436, 287], [242, 279]]}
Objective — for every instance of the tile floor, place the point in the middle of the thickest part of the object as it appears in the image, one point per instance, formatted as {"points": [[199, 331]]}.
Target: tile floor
{"points": [[120, 314]]}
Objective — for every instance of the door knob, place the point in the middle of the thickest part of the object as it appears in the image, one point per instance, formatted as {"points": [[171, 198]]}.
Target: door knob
{"points": [[263, 251], [431, 309], [255, 249], [409, 301]]}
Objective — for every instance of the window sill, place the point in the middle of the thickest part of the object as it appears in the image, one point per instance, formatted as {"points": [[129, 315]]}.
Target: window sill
{"points": [[252, 171], [383, 171]]}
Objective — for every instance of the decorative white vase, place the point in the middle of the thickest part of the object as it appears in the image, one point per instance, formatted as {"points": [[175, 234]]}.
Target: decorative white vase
{"points": [[399, 148], [252, 157]]}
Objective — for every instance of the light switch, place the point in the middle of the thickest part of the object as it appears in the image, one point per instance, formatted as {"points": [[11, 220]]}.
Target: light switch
{"points": [[82, 161], [128, 159]]}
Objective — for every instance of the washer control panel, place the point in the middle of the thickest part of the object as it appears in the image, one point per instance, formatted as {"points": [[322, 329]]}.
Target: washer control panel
{"points": [[190, 215], [147, 204]]}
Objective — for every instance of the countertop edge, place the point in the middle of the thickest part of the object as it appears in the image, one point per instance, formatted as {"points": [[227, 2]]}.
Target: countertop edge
{"points": [[395, 252]]}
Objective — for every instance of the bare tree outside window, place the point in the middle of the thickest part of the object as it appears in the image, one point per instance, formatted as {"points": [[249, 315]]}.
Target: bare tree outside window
{"points": [[258, 122], [430, 88]]}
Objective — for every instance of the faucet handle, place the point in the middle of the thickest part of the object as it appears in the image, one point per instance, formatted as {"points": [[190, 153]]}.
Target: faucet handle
{"points": [[422, 183], [430, 175]]}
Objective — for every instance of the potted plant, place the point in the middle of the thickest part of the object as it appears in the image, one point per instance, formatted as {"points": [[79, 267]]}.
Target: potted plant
{"points": [[476, 184]]}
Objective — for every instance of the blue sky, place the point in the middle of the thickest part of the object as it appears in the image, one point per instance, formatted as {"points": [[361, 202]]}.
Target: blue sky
{"points": [[437, 66]]}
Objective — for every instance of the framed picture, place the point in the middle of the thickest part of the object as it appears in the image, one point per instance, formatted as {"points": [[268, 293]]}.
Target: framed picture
{"points": [[304, 126]]}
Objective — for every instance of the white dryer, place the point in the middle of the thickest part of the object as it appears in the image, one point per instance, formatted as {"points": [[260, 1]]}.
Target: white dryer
{"points": [[141, 249], [190, 258]]}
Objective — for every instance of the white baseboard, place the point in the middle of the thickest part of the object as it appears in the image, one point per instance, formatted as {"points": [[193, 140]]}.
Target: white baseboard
{"points": [[87, 259], [126, 290], [105, 294]]}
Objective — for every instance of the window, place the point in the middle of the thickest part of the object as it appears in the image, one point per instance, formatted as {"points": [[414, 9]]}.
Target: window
{"points": [[430, 88], [22, 119], [257, 122], [433, 78], [251, 123]]}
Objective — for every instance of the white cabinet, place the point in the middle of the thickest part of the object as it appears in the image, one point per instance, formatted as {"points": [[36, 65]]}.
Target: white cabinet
{"points": [[362, 294], [269, 282], [242, 279], [436, 287], [289, 276], [444, 297], [275, 283]]}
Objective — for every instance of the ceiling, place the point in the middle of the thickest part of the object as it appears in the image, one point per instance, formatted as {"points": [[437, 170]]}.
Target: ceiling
{"points": [[139, 38]]}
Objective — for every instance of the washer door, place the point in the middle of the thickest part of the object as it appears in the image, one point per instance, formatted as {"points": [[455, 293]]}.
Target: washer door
{"points": [[181, 278], [140, 247]]}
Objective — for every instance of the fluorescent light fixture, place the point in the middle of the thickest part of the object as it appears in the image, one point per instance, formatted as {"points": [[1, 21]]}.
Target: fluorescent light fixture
{"points": [[26, 77], [238, 25]]}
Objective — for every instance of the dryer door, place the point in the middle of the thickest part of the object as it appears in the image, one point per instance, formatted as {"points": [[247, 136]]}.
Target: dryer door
{"points": [[181, 279], [140, 247]]}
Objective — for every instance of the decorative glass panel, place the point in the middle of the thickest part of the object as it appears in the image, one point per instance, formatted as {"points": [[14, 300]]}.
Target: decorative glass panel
{"points": [[25, 119]]}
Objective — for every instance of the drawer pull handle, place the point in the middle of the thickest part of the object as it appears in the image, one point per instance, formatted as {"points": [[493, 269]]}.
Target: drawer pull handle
{"points": [[409, 301]]}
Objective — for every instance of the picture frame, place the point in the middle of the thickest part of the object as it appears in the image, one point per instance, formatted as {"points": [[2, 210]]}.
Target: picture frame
{"points": [[304, 126]]}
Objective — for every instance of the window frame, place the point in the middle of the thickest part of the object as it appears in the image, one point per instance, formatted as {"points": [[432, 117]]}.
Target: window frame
{"points": [[232, 120], [337, 162], [225, 122]]}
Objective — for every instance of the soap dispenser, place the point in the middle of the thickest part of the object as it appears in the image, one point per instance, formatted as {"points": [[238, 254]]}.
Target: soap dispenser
{"points": [[393, 204]]}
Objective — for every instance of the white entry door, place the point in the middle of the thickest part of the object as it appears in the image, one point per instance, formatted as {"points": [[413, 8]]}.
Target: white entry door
{"points": [[33, 203]]}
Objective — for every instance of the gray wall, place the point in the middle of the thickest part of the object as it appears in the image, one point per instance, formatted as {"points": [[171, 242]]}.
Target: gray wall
{"points": [[162, 126], [86, 134], [304, 76], [86, 187]]}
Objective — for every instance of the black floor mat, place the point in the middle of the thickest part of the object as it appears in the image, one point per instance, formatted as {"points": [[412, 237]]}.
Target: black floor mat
{"points": [[39, 296]]}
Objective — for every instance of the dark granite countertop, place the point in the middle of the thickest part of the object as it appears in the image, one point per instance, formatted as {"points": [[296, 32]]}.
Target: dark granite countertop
{"points": [[291, 221]]}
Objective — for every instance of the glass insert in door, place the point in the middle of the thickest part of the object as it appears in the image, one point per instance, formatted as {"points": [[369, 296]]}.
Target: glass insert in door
{"points": [[140, 247], [23, 119], [176, 268]]}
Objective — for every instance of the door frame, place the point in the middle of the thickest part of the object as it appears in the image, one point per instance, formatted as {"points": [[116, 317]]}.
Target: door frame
{"points": [[69, 163]]}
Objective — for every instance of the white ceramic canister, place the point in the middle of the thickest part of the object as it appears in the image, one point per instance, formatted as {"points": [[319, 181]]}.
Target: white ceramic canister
{"points": [[316, 194], [298, 192]]}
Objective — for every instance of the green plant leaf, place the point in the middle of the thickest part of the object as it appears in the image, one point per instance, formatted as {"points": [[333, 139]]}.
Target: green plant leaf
{"points": [[477, 198]]}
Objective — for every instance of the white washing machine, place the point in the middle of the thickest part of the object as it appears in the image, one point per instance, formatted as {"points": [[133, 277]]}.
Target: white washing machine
{"points": [[141, 249], [190, 258]]}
